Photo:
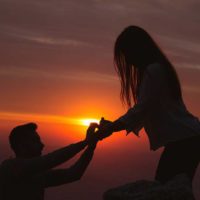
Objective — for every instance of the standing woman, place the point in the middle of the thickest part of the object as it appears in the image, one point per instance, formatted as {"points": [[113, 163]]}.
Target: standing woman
{"points": [[150, 81]]}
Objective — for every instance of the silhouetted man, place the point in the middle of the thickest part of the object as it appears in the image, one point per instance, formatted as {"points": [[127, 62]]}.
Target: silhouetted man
{"points": [[27, 175]]}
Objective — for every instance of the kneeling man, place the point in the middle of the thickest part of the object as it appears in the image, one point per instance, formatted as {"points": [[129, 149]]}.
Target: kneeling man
{"points": [[26, 176]]}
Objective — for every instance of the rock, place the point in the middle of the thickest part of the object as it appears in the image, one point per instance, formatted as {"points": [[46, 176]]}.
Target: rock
{"points": [[177, 189]]}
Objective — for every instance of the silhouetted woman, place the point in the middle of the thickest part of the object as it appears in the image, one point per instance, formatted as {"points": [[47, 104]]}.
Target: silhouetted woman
{"points": [[150, 81]]}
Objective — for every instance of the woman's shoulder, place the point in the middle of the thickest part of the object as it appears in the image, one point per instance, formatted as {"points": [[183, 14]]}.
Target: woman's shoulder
{"points": [[155, 69]]}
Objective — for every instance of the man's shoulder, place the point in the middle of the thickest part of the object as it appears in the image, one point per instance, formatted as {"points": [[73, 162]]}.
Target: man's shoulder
{"points": [[12, 169], [9, 166], [5, 169], [7, 163]]}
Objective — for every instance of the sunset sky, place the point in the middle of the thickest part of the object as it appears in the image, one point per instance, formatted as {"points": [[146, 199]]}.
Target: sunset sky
{"points": [[56, 68]]}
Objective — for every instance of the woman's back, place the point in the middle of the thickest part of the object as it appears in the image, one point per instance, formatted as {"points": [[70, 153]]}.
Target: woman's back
{"points": [[167, 118]]}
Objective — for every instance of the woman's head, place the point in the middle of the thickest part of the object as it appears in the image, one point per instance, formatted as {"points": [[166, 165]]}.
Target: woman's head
{"points": [[134, 50], [136, 47]]}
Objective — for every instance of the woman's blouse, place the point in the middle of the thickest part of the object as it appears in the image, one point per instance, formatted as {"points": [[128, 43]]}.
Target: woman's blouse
{"points": [[163, 118]]}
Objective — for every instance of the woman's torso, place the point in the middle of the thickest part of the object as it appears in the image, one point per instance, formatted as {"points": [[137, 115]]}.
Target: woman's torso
{"points": [[168, 119]]}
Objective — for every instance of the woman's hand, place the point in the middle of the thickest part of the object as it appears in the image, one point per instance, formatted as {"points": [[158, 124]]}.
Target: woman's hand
{"points": [[104, 122], [105, 128]]}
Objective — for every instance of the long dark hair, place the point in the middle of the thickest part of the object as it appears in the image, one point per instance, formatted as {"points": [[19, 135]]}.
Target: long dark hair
{"points": [[134, 50]]}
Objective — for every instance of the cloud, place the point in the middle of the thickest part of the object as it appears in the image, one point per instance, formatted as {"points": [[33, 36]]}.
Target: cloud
{"points": [[72, 41], [192, 89], [181, 44], [190, 66], [13, 116], [34, 74], [41, 39], [53, 41]]}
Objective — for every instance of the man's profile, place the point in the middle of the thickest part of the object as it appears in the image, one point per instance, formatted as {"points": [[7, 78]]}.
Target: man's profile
{"points": [[28, 174]]}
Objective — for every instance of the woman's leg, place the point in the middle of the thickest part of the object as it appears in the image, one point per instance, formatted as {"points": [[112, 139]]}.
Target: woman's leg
{"points": [[177, 158]]}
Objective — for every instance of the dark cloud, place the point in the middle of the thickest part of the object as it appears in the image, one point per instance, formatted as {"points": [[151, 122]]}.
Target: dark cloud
{"points": [[55, 38], [88, 29]]}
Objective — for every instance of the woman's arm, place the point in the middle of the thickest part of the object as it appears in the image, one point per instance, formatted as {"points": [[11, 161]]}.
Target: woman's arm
{"points": [[106, 128], [151, 90], [152, 85]]}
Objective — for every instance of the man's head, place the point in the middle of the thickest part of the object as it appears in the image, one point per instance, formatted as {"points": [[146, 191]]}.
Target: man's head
{"points": [[25, 141]]}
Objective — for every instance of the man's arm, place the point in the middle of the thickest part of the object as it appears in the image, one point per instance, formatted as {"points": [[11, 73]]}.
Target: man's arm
{"points": [[42, 163], [39, 164], [74, 173]]}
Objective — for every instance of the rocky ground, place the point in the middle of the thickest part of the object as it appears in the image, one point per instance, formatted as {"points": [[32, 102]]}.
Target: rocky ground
{"points": [[177, 189]]}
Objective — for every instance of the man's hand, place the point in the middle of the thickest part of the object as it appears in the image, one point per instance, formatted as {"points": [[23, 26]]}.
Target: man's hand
{"points": [[91, 136]]}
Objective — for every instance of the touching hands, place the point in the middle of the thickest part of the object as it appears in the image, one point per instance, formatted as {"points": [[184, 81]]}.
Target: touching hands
{"points": [[91, 135], [105, 128], [99, 131], [104, 122]]}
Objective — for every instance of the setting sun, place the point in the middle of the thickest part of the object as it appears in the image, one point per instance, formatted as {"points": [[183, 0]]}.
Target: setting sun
{"points": [[86, 122]]}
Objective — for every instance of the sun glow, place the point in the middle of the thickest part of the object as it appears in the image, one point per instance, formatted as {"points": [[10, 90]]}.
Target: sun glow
{"points": [[86, 122], [47, 119]]}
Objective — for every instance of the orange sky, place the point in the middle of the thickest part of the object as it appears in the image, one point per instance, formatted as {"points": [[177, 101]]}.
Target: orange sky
{"points": [[56, 67]]}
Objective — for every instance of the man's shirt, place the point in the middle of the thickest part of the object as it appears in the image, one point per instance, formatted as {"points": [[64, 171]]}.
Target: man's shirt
{"points": [[26, 179]]}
